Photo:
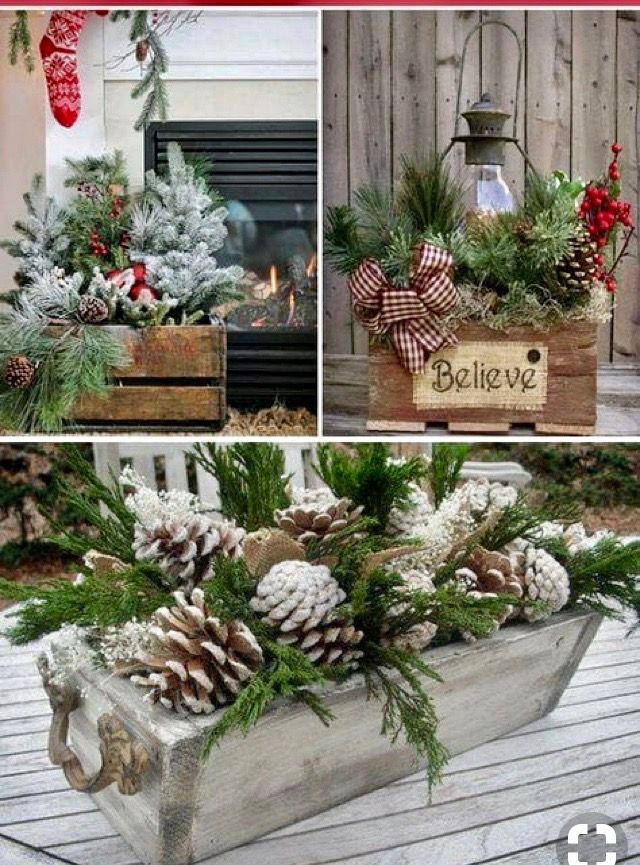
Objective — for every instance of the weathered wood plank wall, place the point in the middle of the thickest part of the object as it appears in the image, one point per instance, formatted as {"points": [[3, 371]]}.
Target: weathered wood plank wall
{"points": [[390, 81]]}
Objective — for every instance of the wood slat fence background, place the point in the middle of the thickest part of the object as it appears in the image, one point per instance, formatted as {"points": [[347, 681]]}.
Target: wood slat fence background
{"points": [[390, 82]]}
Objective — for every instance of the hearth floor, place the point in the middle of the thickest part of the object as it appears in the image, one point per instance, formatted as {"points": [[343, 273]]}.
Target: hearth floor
{"points": [[504, 802]]}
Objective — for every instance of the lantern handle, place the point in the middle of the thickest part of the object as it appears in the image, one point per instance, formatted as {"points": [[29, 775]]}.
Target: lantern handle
{"points": [[518, 74]]}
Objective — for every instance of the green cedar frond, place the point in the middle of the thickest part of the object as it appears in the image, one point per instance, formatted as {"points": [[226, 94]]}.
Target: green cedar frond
{"points": [[96, 601], [287, 673], [20, 41], [393, 677], [252, 480], [444, 469], [368, 476]]}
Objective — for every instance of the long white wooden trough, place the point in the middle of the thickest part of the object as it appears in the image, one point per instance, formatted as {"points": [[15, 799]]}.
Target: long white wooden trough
{"points": [[179, 809]]}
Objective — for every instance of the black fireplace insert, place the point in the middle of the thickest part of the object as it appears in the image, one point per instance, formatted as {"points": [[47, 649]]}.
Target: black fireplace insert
{"points": [[267, 174]]}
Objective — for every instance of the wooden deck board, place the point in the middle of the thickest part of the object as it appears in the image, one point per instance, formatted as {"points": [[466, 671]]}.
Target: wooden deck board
{"points": [[499, 803]]}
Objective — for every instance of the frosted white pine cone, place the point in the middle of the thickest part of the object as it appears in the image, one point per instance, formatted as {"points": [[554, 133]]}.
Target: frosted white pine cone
{"points": [[577, 540], [420, 635], [297, 594], [316, 497], [405, 522], [544, 579], [184, 545], [484, 495]]}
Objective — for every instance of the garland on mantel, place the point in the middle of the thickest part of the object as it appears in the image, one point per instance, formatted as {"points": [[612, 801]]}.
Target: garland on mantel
{"points": [[363, 575]]}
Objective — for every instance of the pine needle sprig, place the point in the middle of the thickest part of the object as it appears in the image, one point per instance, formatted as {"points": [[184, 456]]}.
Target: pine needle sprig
{"points": [[393, 678], [252, 480], [444, 468], [342, 244], [522, 520], [368, 476], [20, 41], [431, 196]]}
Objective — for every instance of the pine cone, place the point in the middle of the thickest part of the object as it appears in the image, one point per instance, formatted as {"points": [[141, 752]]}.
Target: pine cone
{"points": [[492, 572], [420, 635], [19, 372], [183, 547], [542, 578], [197, 662], [577, 271], [300, 600], [522, 230], [92, 310], [306, 522]]}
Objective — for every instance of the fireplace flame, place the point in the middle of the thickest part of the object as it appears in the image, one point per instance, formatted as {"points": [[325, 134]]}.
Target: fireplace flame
{"points": [[273, 279], [312, 265], [291, 318]]}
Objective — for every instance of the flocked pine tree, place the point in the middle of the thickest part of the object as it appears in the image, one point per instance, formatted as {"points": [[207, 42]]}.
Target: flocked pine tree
{"points": [[43, 243], [176, 233]]}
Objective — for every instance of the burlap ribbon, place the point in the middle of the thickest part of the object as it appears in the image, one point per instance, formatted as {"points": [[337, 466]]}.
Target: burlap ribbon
{"points": [[409, 315]]}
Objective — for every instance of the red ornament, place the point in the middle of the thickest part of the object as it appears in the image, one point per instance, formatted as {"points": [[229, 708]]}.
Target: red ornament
{"points": [[142, 291], [139, 271], [616, 148]]}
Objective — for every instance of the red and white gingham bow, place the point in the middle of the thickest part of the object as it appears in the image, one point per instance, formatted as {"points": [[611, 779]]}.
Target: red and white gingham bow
{"points": [[407, 314]]}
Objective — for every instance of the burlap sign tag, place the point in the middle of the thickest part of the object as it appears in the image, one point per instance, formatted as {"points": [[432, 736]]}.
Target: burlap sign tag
{"points": [[509, 375]]}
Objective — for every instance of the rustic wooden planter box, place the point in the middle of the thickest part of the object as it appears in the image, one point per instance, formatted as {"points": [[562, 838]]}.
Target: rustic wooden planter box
{"points": [[176, 378], [290, 767], [491, 382]]}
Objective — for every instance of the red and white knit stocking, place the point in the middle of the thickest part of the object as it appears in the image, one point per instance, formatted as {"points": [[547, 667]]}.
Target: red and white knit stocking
{"points": [[58, 49]]}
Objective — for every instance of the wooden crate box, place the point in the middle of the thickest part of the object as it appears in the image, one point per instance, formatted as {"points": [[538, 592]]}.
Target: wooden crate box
{"points": [[289, 766], [176, 378], [491, 382]]}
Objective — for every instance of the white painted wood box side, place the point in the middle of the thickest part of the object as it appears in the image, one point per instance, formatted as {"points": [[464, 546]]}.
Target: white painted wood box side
{"points": [[290, 767]]}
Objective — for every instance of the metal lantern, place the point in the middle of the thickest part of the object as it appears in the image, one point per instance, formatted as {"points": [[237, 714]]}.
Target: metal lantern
{"points": [[485, 143]]}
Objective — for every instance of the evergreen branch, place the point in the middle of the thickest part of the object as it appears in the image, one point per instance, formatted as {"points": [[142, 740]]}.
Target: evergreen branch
{"points": [[342, 245], [444, 469], [251, 478], [368, 476], [605, 577], [20, 41], [99, 506], [286, 674], [432, 198], [521, 520], [93, 602], [406, 707]]}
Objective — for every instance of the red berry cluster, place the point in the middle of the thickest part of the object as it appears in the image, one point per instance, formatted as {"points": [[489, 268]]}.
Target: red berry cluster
{"points": [[125, 239], [97, 247], [602, 211]]}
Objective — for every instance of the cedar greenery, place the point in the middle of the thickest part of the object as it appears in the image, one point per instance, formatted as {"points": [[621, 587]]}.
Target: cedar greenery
{"points": [[444, 469], [252, 480], [369, 477], [20, 41]]}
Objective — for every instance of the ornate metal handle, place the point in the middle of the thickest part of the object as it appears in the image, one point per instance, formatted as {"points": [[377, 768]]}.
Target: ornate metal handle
{"points": [[124, 761]]}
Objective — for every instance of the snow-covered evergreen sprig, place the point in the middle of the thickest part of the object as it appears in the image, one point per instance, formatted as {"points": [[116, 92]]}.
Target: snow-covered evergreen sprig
{"points": [[43, 242], [176, 233]]}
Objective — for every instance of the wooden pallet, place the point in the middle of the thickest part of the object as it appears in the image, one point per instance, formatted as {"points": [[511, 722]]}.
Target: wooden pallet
{"points": [[561, 363], [175, 381], [488, 428]]}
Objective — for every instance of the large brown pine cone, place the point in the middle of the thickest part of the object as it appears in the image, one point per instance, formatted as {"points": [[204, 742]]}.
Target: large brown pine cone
{"points": [[577, 271], [308, 521], [198, 662]]}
